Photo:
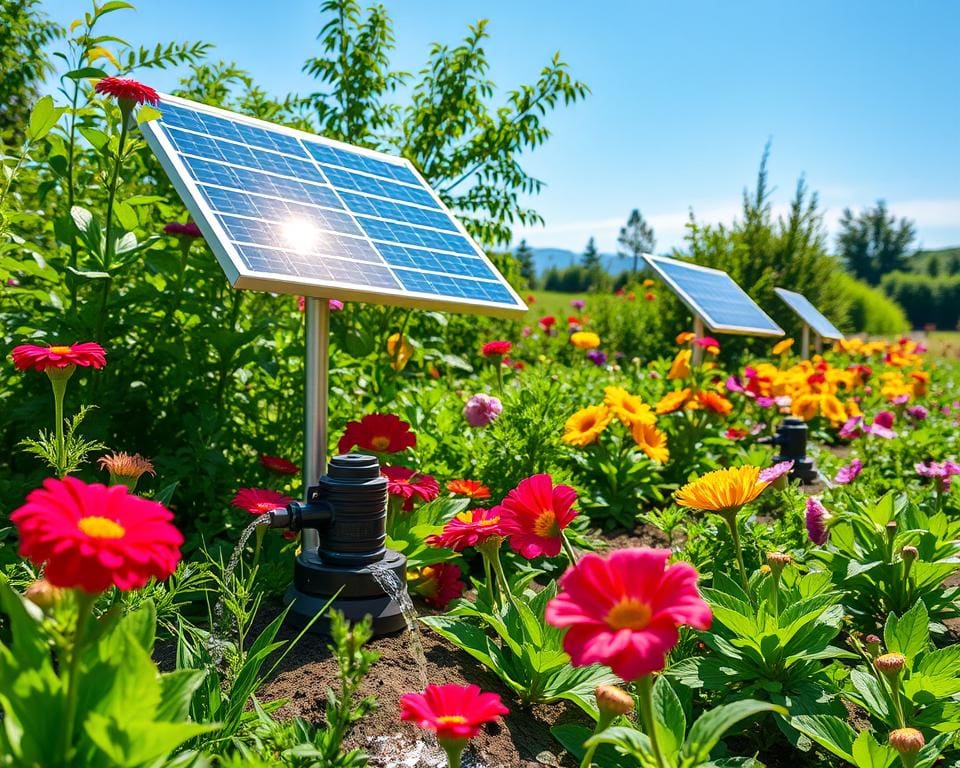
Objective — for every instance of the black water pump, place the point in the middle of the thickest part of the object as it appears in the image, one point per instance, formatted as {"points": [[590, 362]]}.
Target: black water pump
{"points": [[791, 438], [348, 508]]}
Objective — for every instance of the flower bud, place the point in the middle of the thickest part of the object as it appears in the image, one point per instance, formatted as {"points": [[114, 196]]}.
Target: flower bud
{"points": [[873, 645], [613, 701], [890, 664], [765, 569], [777, 562], [907, 741], [909, 554], [43, 594]]}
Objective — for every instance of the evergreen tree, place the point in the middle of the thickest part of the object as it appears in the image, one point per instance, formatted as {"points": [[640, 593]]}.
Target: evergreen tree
{"points": [[874, 243], [528, 268], [953, 264], [933, 266], [636, 238], [591, 257]]}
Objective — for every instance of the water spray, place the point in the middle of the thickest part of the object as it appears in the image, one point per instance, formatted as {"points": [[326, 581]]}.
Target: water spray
{"points": [[347, 510]]}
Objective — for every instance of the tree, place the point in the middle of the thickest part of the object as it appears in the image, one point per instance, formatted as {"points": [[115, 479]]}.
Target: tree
{"points": [[636, 238], [873, 243], [528, 268], [933, 266]]}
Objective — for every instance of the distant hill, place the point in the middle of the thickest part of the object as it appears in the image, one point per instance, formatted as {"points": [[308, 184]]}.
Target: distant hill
{"points": [[948, 261], [545, 258]]}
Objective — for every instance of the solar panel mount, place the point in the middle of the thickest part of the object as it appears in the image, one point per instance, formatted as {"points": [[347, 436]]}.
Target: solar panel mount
{"points": [[714, 297], [287, 211], [809, 314]]}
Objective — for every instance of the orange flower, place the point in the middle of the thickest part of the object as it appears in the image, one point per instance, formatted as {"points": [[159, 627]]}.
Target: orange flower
{"points": [[400, 351], [585, 426], [469, 488], [673, 401], [805, 406], [628, 408], [651, 441], [680, 368], [685, 337], [782, 346], [715, 402]]}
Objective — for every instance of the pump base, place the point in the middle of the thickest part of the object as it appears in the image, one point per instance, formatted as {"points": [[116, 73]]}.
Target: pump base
{"points": [[358, 593]]}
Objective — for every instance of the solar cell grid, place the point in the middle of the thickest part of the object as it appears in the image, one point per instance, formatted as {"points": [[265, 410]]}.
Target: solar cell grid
{"points": [[809, 314], [713, 295], [287, 211]]}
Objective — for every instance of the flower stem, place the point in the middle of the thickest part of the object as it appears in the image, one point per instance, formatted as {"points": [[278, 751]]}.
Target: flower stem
{"points": [[568, 549], [647, 716], [108, 229], [85, 604], [731, 520], [59, 390], [453, 748], [498, 362]]}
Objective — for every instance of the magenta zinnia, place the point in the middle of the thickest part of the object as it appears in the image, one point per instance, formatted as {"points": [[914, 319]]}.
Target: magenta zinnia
{"points": [[534, 515], [407, 484], [91, 537], [125, 89], [88, 354], [259, 501], [624, 611], [468, 529]]}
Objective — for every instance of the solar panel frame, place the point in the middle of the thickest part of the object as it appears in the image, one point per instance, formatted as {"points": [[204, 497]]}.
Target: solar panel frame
{"points": [[809, 314], [221, 242], [714, 324]]}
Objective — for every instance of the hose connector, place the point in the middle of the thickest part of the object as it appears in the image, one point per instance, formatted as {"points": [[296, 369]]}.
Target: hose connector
{"points": [[298, 515]]}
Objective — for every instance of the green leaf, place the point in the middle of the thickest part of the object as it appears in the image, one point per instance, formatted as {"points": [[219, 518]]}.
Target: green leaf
{"points": [[43, 117], [671, 721], [97, 138], [710, 727], [629, 740], [874, 696], [146, 113], [830, 732], [867, 753], [85, 72], [908, 634]]}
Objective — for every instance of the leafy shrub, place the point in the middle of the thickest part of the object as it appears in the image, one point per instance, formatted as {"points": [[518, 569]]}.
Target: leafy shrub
{"points": [[926, 299], [869, 310]]}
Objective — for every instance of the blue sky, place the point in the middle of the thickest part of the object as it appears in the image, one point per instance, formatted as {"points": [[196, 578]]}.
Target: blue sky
{"points": [[860, 97]]}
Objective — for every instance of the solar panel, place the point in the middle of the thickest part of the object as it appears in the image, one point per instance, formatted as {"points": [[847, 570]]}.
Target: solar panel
{"points": [[712, 294], [290, 212], [809, 314]]}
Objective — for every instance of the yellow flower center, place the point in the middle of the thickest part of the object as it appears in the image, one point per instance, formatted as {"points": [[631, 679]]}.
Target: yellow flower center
{"points": [[98, 527], [380, 443], [629, 613], [60, 350], [546, 525], [467, 517], [452, 720]]}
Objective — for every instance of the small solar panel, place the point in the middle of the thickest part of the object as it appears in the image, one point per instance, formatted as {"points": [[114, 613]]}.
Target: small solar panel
{"points": [[290, 212], [712, 294], [809, 314]]}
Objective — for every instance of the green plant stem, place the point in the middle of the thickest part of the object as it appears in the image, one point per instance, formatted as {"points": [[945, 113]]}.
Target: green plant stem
{"points": [[603, 722], [487, 575], [568, 549], [505, 588], [776, 594], [85, 604], [498, 363], [108, 229], [59, 390], [730, 519], [454, 749], [647, 716]]}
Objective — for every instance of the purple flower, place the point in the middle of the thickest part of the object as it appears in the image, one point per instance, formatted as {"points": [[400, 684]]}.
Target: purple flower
{"points": [[917, 412], [817, 521], [852, 428], [733, 384], [848, 473], [177, 229], [942, 471], [578, 304], [765, 402], [335, 305], [757, 428], [597, 357], [881, 426], [775, 472], [481, 410]]}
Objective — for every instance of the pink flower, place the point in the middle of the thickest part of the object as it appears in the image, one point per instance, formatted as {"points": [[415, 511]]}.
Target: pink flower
{"points": [[127, 91], [941, 471], [578, 304], [775, 472], [406, 484], [534, 515], [852, 428], [733, 385], [453, 712], [468, 529], [765, 402], [881, 426], [848, 473], [178, 229], [335, 305], [624, 611], [917, 412], [259, 501], [482, 410], [817, 521]]}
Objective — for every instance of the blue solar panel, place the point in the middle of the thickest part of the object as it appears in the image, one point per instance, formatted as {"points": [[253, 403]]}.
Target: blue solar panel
{"points": [[809, 314], [288, 211], [712, 294]]}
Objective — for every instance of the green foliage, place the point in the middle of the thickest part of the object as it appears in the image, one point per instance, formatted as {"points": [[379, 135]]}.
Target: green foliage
{"points": [[928, 300], [869, 310], [636, 238], [873, 243]]}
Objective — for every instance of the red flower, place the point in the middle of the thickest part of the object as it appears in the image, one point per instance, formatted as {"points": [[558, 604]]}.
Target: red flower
{"points": [[496, 348], [650, 296], [468, 529], [469, 488], [126, 89], [735, 433], [40, 358], [623, 611], [259, 501], [379, 432], [177, 229], [547, 322], [454, 712], [279, 465], [534, 515], [439, 584], [93, 536], [404, 483]]}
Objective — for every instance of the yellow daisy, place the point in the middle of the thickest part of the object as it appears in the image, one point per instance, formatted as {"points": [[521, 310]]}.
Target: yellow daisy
{"points": [[630, 409], [585, 340], [723, 490], [651, 441], [782, 346], [680, 368], [585, 426]]}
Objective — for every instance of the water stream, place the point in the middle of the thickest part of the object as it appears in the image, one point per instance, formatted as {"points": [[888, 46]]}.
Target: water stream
{"points": [[217, 642]]}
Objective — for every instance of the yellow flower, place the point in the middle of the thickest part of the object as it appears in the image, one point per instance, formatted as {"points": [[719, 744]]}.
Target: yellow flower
{"points": [[651, 441], [782, 346], [832, 408], [673, 401], [715, 402], [585, 426], [723, 490], [628, 408], [681, 365], [648, 283], [399, 357], [585, 340], [805, 406]]}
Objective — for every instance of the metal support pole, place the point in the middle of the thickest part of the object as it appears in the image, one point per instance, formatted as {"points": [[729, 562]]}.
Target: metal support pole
{"points": [[818, 343], [805, 343], [698, 332], [317, 374]]}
